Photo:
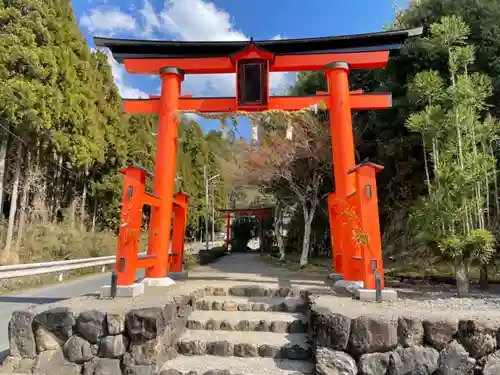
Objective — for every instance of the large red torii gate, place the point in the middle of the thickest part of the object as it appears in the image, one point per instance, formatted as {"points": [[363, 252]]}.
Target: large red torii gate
{"points": [[353, 208]]}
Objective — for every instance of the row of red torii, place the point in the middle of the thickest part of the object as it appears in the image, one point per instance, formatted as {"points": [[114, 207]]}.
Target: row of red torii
{"points": [[353, 207]]}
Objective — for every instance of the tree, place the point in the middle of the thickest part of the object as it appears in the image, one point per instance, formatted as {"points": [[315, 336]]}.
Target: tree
{"points": [[291, 167], [453, 217]]}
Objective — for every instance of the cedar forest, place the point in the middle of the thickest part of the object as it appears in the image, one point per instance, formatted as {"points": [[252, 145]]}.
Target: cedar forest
{"points": [[64, 138]]}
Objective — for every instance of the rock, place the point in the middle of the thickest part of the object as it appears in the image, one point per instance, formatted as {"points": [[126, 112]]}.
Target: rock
{"points": [[297, 326], [439, 333], [374, 363], [478, 338], [246, 350], [130, 369], [333, 362], [245, 306], [172, 332], [370, 335], [52, 362], [115, 323], [90, 324], [410, 331], [220, 291], [102, 366], [454, 360], [226, 325], [230, 306], [113, 346], [238, 291], [261, 326], [170, 312], [195, 324], [245, 325], [77, 350], [278, 326], [329, 330], [150, 352], [217, 305], [52, 328], [217, 372], [21, 338], [170, 372], [195, 347], [257, 291], [296, 352], [220, 348], [12, 365], [144, 324], [271, 351], [492, 364], [345, 287], [413, 360]]}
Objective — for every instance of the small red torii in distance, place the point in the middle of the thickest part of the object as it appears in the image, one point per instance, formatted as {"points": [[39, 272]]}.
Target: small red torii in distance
{"points": [[258, 212], [353, 208]]}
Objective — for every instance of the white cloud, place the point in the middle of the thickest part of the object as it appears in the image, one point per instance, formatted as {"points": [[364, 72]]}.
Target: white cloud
{"points": [[197, 20], [119, 74], [108, 22]]}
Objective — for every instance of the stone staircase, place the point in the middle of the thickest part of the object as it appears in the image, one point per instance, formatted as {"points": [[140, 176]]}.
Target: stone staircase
{"points": [[245, 330]]}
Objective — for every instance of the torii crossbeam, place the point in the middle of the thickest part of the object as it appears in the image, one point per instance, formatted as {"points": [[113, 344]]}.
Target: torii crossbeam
{"points": [[356, 243]]}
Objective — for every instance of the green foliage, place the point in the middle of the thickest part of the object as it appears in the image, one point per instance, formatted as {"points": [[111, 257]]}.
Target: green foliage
{"points": [[452, 216]]}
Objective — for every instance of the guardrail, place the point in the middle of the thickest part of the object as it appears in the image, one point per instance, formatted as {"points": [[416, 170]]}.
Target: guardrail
{"points": [[59, 266]]}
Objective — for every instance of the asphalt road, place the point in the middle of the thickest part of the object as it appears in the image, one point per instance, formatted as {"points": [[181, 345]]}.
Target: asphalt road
{"points": [[51, 294]]}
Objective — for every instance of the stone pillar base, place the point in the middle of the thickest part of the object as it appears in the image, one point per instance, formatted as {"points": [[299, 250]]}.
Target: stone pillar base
{"points": [[370, 295], [133, 290], [161, 281]]}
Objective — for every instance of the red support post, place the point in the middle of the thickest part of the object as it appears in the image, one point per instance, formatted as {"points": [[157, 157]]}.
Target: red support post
{"points": [[343, 158], [130, 225], [179, 230], [371, 244], [165, 165], [335, 233]]}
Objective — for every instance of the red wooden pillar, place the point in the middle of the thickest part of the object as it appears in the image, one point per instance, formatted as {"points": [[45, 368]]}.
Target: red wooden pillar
{"points": [[335, 234], [179, 231], [366, 186], [228, 229], [343, 158], [130, 225], [165, 164]]}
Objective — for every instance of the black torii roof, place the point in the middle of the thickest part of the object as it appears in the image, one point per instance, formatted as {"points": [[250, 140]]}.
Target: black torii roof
{"points": [[380, 41]]}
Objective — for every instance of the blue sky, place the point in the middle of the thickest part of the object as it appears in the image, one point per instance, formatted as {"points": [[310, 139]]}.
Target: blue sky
{"points": [[223, 20]]}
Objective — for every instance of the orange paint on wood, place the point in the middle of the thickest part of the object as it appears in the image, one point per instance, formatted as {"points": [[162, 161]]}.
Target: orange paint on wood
{"points": [[130, 225], [165, 165], [178, 232], [366, 186], [295, 103], [282, 63]]}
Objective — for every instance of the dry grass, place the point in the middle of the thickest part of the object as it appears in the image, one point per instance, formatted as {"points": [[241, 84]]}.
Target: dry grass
{"points": [[49, 242]]}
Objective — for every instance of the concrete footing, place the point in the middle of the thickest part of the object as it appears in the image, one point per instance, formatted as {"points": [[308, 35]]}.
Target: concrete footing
{"points": [[133, 290], [371, 295], [161, 281]]}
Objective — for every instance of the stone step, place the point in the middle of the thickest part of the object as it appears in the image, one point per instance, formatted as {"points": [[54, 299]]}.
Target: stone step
{"points": [[279, 322], [201, 365], [244, 344], [232, 303], [255, 291]]}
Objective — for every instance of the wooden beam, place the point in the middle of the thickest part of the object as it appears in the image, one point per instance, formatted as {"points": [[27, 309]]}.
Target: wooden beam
{"points": [[282, 63], [286, 103]]}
